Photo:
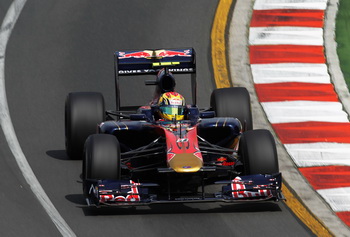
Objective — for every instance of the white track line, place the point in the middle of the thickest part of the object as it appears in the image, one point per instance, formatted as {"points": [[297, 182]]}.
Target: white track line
{"points": [[290, 72], [319, 154], [290, 4], [301, 111], [337, 198], [285, 35], [7, 126]]}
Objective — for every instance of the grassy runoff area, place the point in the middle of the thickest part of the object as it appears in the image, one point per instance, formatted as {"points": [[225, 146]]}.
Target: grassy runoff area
{"points": [[343, 38]]}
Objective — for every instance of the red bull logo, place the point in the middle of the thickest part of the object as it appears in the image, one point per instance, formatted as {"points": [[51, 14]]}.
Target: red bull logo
{"points": [[172, 53], [137, 54]]}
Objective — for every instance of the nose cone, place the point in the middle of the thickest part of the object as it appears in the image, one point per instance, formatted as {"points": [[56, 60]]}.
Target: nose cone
{"points": [[185, 163]]}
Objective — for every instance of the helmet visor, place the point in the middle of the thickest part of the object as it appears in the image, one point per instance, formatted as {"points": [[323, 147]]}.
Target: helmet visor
{"points": [[172, 110]]}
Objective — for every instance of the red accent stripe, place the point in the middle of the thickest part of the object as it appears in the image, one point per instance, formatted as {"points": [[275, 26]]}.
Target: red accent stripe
{"points": [[287, 17], [307, 132], [286, 54], [344, 216], [327, 176], [295, 91]]}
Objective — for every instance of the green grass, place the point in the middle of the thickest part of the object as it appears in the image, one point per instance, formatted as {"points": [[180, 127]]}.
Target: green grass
{"points": [[343, 38]]}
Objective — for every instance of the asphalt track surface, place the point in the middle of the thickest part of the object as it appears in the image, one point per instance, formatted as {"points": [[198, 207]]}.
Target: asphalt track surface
{"points": [[62, 46]]}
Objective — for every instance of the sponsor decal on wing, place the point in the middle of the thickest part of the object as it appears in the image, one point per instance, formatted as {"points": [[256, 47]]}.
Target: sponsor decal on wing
{"points": [[137, 54], [239, 190], [173, 53], [132, 194]]}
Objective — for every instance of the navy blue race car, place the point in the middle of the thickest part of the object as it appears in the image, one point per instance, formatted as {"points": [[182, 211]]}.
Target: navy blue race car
{"points": [[168, 150]]}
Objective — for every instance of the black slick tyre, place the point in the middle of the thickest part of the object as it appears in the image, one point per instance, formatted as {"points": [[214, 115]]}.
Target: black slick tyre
{"points": [[83, 112], [233, 102], [257, 150], [101, 157]]}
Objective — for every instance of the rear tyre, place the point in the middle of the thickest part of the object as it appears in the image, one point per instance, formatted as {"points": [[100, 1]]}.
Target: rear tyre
{"points": [[257, 150], [233, 102], [83, 112]]}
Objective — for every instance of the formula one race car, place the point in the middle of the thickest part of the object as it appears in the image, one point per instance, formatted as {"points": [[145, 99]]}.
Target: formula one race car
{"points": [[169, 151]]}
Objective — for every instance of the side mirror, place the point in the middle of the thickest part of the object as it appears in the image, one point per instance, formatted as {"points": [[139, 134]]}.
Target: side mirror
{"points": [[207, 114], [138, 117], [150, 82]]}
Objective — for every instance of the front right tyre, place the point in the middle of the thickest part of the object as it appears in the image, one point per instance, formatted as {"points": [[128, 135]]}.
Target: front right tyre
{"points": [[101, 157]]}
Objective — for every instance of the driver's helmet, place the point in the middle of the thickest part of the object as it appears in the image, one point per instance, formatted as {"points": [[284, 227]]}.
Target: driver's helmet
{"points": [[171, 105]]}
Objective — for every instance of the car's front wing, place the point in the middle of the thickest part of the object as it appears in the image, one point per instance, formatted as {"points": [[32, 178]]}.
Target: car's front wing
{"points": [[128, 193]]}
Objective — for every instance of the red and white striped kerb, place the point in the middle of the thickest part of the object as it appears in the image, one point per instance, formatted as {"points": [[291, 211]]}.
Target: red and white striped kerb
{"points": [[294, 88]]}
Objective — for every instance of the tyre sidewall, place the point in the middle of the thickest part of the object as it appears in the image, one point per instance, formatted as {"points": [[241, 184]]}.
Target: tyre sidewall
{"points": [[83, 112], [233, 102], [101, 157], [258, 152]]}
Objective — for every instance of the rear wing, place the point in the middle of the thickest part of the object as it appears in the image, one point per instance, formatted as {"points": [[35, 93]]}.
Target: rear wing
{"points": [[151, 61], [141, 62]]}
